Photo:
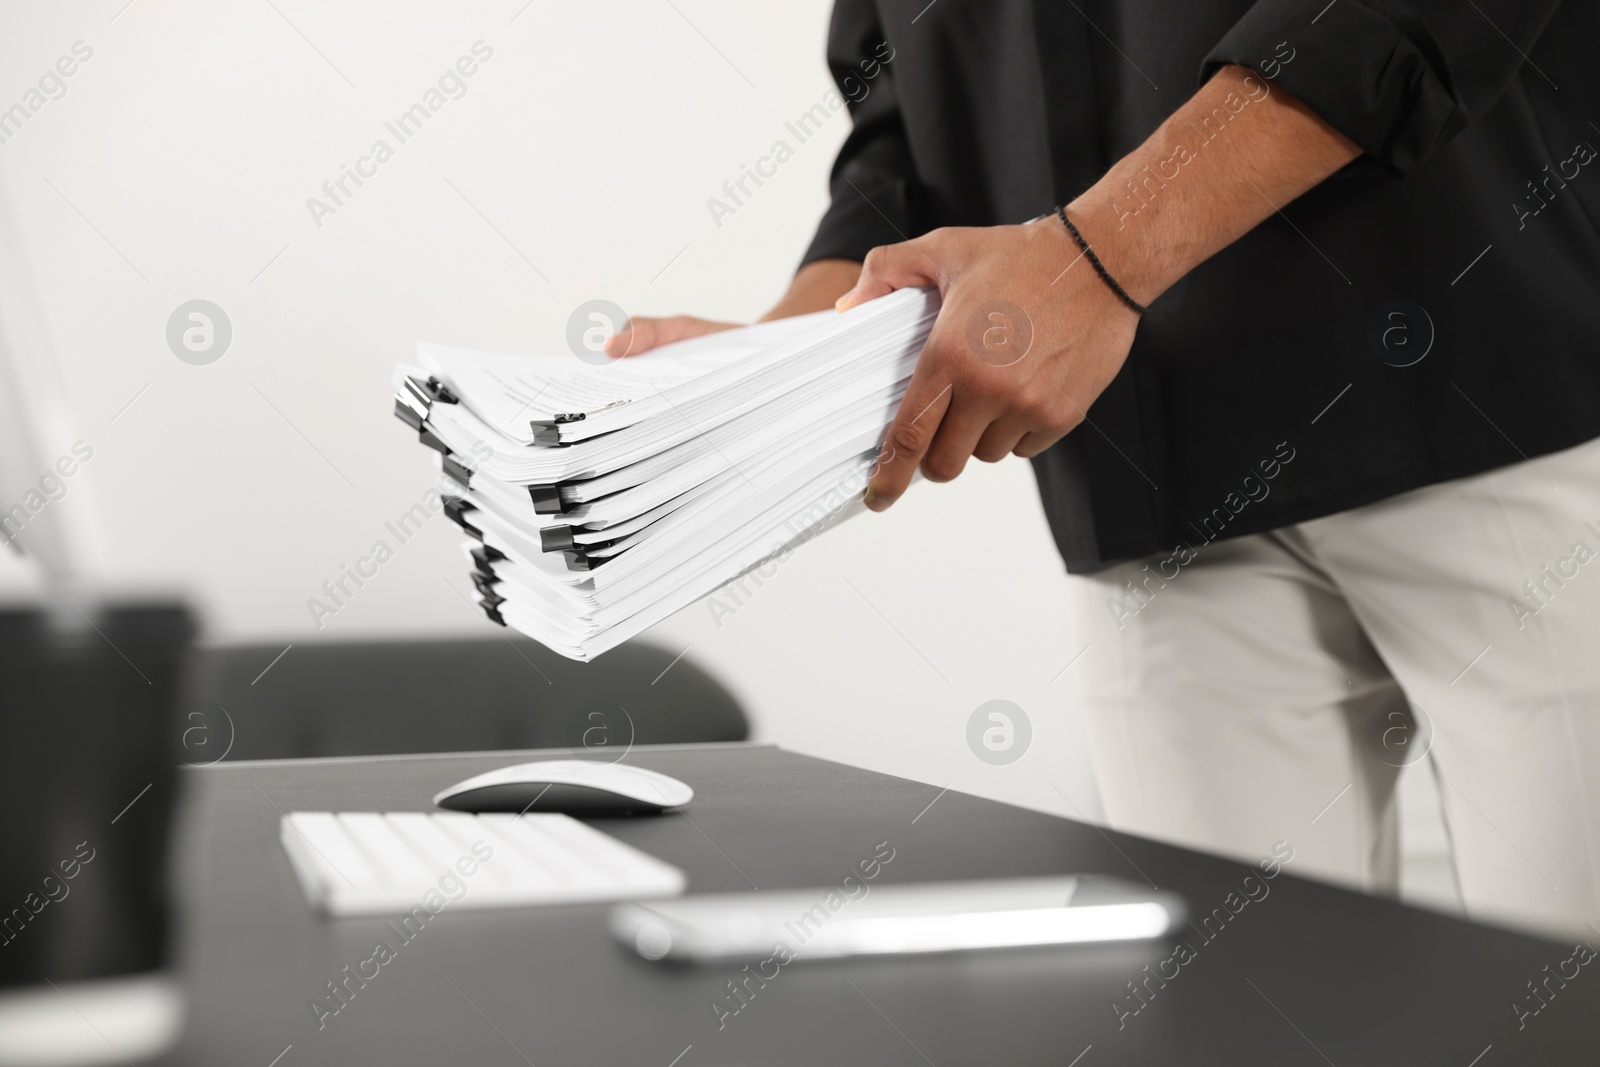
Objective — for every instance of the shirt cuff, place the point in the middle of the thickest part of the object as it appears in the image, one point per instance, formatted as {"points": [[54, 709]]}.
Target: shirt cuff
{"points": [[1371, 70]]}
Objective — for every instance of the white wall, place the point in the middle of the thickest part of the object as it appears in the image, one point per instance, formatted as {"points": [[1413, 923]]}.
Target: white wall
{"points": [[178, 165]]}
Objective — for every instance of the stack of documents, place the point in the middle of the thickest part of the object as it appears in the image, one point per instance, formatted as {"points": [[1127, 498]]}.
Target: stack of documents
{"points": [[600, 499]]}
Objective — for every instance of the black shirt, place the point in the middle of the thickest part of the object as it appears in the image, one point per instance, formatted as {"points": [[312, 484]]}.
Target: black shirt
{"points": [[1427, 313]]}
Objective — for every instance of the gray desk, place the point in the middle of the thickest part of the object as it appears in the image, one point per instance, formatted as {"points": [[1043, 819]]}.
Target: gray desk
{"points": [[1308, 975]]}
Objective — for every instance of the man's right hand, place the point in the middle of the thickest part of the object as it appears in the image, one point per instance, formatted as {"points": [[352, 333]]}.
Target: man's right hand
{"points": [[816, 287], [641, 335]]}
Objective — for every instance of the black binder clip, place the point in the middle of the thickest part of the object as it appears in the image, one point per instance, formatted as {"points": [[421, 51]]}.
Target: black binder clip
{"points": [[547, 499], [545, 433], [416, 393], [455, 510], [430, 391], [485, 557], [432, 440], [440, 392], [557, 539], [407, 414], [416, 398], [457, 470]]}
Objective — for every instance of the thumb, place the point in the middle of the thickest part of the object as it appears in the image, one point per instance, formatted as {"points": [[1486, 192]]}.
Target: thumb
{"points": [[643, 334], [891, 267]]}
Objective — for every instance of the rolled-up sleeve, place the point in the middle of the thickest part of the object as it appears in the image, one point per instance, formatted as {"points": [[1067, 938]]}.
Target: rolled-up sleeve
{"points": [[1398, 79], [873, 184]]}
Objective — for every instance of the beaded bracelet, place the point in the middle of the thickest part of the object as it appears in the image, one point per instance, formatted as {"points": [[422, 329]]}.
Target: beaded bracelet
{"points": [[1100, 268]]}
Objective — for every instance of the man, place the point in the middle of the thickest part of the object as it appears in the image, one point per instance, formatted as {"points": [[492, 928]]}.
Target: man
{"points": [[1307, 367]]}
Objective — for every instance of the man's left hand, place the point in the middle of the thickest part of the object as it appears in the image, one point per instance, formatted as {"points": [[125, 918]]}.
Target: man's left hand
{"points": [[1026, 339]]}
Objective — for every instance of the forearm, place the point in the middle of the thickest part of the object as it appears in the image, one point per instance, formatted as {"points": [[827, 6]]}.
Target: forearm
{"points": [[1236, 152], [816, 287]]}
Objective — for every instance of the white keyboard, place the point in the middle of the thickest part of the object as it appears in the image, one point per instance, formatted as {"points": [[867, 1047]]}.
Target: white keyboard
{"points": [[368, 863]]}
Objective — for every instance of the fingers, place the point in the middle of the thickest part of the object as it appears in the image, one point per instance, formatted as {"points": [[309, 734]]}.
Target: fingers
{"points": [[938, 435], [1034, 443], [1000, 440], [964, 423], [891, 267], [908, 439], [939, 426], [1050, 421], [643, 334]]}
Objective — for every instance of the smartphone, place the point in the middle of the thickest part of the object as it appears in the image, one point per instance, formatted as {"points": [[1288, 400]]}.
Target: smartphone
{"points": [[869, 919]]}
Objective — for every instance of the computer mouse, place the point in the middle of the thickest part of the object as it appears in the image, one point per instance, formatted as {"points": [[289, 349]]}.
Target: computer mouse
{"points": [[572, 787]]}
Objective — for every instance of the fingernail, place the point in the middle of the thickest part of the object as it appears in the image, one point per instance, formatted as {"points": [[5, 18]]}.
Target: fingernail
{"points": [[874, 500], [843, 303], [618, 343]]}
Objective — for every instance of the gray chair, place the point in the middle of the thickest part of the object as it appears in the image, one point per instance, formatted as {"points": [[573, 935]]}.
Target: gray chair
{"points": [[372, 698]]}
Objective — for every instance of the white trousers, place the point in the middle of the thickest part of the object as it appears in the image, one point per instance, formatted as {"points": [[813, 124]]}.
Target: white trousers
{"points": [[1273, 686]]}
